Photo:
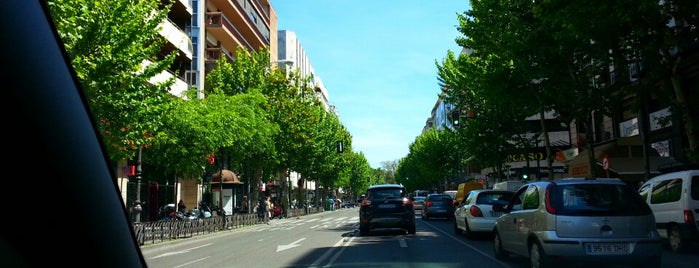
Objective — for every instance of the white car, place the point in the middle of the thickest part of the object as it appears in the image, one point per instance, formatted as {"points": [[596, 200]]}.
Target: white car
{"points": [[475, 215], [674, 199]]}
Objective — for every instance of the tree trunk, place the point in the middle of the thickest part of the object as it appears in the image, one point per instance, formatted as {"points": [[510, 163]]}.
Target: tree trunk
{"points": [[547, 143], [688, 117]]}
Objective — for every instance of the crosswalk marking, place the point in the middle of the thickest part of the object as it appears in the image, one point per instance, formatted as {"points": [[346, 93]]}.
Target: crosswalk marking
{"points": [[288, 224]]}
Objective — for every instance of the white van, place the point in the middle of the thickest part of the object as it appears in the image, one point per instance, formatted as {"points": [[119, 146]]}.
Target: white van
{"points": [[674, 199]]}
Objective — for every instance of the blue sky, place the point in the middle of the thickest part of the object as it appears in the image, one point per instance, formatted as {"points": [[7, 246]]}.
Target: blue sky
{"points": [[376, 59]]}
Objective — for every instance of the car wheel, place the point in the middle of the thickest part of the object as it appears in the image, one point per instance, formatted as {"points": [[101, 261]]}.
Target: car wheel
{"points": [[363, 229], [469, 234], [677, 242], [537, 257], [457, 231], [498, 250]]}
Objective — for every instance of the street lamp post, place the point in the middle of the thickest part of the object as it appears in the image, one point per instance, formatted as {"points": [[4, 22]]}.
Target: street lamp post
{"points": [[457, 123], [288, 196], [137, 208]]}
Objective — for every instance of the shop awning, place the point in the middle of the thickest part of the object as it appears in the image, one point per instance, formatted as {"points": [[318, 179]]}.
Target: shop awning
{"points": [[625, 156], [229, 177], [634, 166]]}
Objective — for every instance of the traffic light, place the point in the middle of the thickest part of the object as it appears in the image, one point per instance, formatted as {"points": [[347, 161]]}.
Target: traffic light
{"points": [[524, 173], [455, 117]]}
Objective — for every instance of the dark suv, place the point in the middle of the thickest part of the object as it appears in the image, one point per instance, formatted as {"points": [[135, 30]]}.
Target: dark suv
{"points": [[386, 206]]}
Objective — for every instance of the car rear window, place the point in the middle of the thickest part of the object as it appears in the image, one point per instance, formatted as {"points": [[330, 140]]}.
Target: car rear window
{"points": [[597, 200], [494, 198], [383, 193], [439, 198]]}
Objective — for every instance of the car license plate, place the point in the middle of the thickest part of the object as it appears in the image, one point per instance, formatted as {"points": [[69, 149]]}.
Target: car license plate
{"points": [[387, 205], [495, 214], [607, 248]]}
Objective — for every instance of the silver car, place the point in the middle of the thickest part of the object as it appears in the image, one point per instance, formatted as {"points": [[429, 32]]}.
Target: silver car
{"points": [[577, 220]]}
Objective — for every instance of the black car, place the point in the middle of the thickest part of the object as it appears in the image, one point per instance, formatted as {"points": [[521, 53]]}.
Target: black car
{"points": [[386, 206], [438, 205]]}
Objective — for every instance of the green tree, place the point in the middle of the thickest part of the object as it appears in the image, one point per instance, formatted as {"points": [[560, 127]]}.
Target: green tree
{"points": [[250, 70], [356, 177], [433, 159], [115, 48], [663, 43], [254, 152], [218, 124]]}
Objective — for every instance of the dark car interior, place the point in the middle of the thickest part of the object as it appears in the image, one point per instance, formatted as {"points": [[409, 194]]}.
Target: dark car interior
{"points": [[62, 205]]}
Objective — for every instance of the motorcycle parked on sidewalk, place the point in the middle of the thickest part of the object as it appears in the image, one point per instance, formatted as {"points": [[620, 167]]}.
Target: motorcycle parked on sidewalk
{"points": [[169, 212]]}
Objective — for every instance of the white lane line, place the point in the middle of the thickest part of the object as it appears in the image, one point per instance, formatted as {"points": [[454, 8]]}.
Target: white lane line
{"points": [[188, 263], [327, 253], [503, 264], [402, 243], [180, 252], [332, 260]]}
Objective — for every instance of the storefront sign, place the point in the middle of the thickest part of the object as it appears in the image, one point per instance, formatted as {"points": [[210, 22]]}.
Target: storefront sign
{"points": [[580, 171]]}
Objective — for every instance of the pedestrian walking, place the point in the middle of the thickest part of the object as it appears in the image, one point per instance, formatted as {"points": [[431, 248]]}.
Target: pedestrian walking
{"points": [[181, 207], [263, 210], [245, 206], [268, 206]]}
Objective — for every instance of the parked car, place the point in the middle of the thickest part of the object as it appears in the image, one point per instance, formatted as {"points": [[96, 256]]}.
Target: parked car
{"points": [[418, 202], [439, 206], [577, 220], [476, 215], [674, 199], [349, 204], [386, 206]]}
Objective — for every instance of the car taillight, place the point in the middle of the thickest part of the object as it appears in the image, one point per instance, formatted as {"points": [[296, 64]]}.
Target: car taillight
{"points": [[428, 203], [475, 211], [451, 203], [406, 202], [366, 202], [547, 199], [689, 217]]}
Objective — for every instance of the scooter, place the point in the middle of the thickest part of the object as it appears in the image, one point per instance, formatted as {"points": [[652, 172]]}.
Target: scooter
{"points": [[202, 212], [169, 212]]}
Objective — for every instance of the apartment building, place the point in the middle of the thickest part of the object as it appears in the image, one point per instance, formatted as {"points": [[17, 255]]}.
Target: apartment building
{"points": [[201, 32], [291, 55]]}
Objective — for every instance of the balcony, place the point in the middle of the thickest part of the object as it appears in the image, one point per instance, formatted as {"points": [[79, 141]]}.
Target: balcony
{"points": [[213, 54], [219, 26], [250, 17], [177, 38], [179, 86]]}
